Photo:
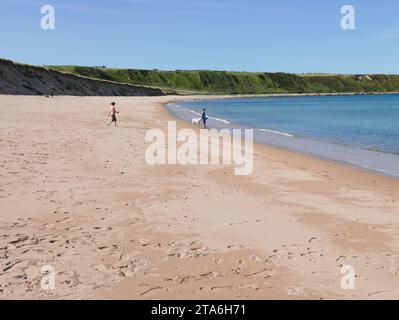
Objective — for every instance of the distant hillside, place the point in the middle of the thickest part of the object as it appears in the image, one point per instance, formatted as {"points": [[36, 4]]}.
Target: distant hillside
{"points": [[30, 80], [93, 81], [222, 82]]}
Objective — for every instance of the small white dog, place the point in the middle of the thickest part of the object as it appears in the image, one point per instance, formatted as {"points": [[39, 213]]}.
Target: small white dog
{"points": [[196, 121]]}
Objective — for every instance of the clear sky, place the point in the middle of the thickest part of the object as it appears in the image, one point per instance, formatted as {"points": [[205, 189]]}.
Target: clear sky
{"points": [[243, 35]]}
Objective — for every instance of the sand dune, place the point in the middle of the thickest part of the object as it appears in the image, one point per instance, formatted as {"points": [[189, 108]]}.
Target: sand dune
{"points": [[78, 195]]}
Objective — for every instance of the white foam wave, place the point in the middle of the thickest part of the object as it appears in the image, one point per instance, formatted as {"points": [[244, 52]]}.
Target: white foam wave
{"points": [[221, 120], [277, 132], [195, 112]]}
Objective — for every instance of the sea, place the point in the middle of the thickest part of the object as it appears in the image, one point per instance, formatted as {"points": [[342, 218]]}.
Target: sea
{"points": [[360, 130]]}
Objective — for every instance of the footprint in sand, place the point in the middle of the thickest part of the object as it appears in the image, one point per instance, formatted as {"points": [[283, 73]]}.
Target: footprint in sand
{"points": [[235, 246], [234, 223], [255, 258], [151, 290]]}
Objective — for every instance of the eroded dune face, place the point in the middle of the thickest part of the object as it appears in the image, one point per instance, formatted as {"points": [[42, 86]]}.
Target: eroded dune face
{"points": [[20, 79]]}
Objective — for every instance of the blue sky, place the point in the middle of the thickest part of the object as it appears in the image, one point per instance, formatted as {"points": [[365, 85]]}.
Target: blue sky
{"points": [[242, 35]]}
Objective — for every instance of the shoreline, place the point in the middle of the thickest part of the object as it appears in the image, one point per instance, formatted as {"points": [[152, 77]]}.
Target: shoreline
{"points": [[309, 152], [271, 95], [179, 232], [267, 146], [205, 96]]}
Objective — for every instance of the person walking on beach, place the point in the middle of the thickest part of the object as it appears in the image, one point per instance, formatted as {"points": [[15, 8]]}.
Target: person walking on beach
{"points": [[204, 117], [112, 113]]}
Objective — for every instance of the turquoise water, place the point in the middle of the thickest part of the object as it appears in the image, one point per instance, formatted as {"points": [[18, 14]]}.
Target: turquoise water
{"points": [[362, 130]]}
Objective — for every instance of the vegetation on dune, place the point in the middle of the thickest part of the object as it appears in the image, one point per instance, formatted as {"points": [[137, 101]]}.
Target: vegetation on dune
{"points": [[224, 82], [23, 79]]}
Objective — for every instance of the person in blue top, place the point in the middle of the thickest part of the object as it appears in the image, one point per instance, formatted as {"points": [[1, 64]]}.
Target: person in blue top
{"points": [[204, 117]]}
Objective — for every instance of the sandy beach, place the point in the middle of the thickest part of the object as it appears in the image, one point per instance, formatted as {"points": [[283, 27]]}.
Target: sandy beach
{"points": [[78, 195]]}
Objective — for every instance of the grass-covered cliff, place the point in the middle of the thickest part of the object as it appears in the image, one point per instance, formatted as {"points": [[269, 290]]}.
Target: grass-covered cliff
{"points": [[22, 79], [74, 80], [223, 82]]}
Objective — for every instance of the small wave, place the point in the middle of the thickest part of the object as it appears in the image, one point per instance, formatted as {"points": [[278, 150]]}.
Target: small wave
{"points": [[195, 112], [277, 132], [221, 120]]}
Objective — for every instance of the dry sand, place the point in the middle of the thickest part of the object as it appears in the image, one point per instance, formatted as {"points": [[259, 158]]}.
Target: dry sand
{"points": [[78, 195]]}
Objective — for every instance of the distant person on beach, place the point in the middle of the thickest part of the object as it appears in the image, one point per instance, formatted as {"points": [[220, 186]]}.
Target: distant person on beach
{"points": [[112, 113], [51, 92], [204, 117]]}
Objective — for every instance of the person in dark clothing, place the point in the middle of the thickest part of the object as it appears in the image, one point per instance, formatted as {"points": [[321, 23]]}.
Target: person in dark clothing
{"points": [[204, 117]]}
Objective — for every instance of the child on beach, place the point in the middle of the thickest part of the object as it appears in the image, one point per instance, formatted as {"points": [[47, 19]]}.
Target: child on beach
{"points": [[112, 113], [204, 117]]}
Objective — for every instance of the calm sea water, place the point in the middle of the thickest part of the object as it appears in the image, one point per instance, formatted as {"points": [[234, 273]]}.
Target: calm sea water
{"points": [[361, 130]]}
